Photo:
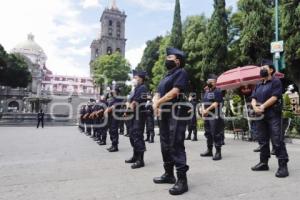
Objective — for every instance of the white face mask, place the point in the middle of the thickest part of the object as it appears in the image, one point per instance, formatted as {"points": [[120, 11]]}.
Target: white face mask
{"points": [[134, 82]]}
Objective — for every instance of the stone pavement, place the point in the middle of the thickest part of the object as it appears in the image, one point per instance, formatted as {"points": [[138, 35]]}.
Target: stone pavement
{"points": [[61, 163]]}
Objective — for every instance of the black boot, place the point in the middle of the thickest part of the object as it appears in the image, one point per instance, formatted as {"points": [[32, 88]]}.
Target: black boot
{"points": [[273, 152], [102, 143], [181, 186], [258, 149], [189, 136], [148, 138], [113, 149], [207, 153], [168, 177], [282, 171], [218, 155], [139, 163], [195, 136], [261, 166], [151, 139], [132, 159]]}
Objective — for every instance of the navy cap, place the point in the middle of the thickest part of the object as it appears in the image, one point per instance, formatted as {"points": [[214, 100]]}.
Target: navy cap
{"points": [[267, 62], [212, 77], [174, 51], [141, 74], [92, 100]]}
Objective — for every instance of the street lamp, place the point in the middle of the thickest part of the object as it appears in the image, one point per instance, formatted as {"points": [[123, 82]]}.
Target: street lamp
{"points": [[277, 46]]}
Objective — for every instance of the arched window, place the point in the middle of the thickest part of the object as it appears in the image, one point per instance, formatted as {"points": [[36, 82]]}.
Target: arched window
{"points": [[97, 52], [13, 106], [118, 50], [118, 24], [110, 31], [118, 29], [109, 50]]}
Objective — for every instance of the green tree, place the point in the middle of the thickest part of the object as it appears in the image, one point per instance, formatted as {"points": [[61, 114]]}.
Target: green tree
{"points": [[159, 70], [150, 56], [176, 33], [257, 30], [194, 29], [110, 68], [291, 36], [3, 64], [17, 73], [13, 70], [234, 32], [215, 51]]}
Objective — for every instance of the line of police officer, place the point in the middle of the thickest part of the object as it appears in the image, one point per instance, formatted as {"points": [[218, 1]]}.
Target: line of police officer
{"points": [[174, 115]]}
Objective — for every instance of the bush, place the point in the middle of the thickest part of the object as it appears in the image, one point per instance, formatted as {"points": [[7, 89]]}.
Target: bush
{"points": [[296, 125]]}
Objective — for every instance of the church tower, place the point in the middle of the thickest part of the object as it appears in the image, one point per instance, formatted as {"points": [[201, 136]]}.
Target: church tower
{"points": [[112, 34]]}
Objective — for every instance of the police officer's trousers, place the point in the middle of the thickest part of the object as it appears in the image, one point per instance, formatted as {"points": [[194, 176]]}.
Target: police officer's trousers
{"points": [[113, 131], [150, 124], [192, 125], [214, 128], [172, 136], [137, 132], [40, 121], [271, 128]]}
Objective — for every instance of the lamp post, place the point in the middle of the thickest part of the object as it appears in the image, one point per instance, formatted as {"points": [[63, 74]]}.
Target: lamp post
{"points": [[277, 54], [277, 47]]}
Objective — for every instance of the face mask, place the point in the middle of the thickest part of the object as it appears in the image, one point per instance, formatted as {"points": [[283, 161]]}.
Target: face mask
{"points": [[170, 64], [134, 82], [210, 85], [264, 73]]}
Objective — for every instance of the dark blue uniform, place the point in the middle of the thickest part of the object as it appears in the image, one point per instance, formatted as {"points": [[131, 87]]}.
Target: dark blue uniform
{"points": [[149, 122], [192, 124], [89, 121], [270, 127], [40, 118], [138, 122], [113, 122], [100, 126], [81, 120], [172, 131], [214, 126]]}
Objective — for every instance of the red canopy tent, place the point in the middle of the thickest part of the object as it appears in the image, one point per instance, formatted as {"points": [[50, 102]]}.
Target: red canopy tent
{"points": [[241, 76]]}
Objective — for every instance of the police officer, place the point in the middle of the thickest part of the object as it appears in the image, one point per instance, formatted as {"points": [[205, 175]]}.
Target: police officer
{"points": [[81, 120], [192, 124], [95, 121], [40, 118], [137, 105], [112, 113], [88, 119], [103, 125], [213, 120], [149, 120], [172, 128], [267, 104]]}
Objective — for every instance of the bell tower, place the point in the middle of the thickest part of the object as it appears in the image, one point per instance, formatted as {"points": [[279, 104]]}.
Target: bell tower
{"points": [[112, 33]]}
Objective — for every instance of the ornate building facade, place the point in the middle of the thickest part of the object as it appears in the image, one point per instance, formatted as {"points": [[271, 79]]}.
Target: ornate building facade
{"points": [[46, 89]]}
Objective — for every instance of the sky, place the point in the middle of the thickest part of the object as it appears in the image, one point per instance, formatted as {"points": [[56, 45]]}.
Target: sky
{"points": [[66, 28]]}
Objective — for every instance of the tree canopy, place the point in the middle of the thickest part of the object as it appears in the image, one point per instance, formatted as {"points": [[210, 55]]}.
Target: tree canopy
{"points": [[14, 70]]}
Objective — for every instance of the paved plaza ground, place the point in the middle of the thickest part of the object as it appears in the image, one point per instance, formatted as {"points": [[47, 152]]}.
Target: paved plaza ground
{"points": [[61, 163]]}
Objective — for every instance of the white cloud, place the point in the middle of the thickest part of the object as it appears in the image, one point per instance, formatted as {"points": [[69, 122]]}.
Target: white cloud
{"points": [[154, 5], [134, 55], [90, 3], [57, 27]]}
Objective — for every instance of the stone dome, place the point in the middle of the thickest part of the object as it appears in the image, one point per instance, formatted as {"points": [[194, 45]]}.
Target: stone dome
{"points": [[32, 50]]}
